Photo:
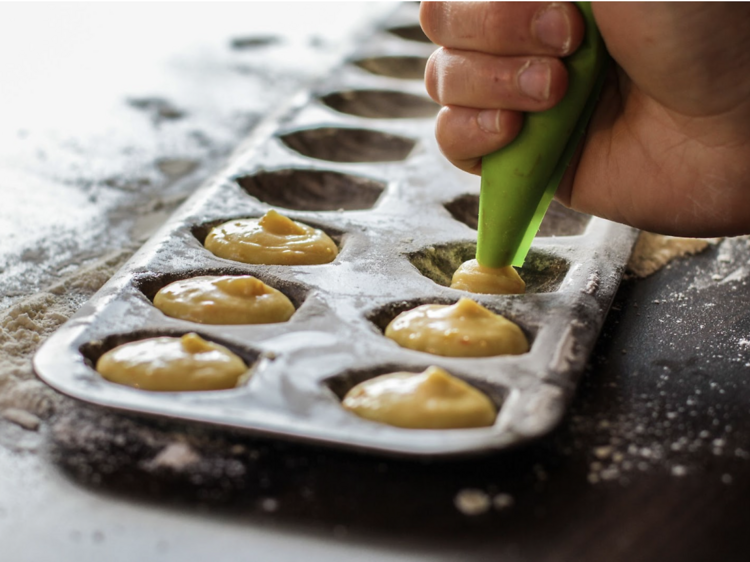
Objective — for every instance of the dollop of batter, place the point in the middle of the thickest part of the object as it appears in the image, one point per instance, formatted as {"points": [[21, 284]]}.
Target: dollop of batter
{"points": [[475, 278], [464, 329], [271, 240], [433, 399], [172, 364], [241, 299]]}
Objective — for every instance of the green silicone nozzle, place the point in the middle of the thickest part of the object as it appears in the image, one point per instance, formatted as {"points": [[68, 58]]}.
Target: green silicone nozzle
{"points": [[519, 180]]}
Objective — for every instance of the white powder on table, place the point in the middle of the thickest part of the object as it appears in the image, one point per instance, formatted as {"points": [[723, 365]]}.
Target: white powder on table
{"points": [[470, 501], [654, 251], [25, 325]]}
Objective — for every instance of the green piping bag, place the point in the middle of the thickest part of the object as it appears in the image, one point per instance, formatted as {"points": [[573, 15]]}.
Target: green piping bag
{"points": [[520, 180]]}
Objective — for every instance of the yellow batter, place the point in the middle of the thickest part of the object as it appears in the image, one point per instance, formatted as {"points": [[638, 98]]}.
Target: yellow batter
{"points": [[476, 278], [464, 329], [172, 364], [238, 299], [271, 240], [433, 399]]}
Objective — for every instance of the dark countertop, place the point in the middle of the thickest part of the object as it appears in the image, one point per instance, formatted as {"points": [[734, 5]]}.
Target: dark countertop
{"points": [[651, 464], [663, 409]]}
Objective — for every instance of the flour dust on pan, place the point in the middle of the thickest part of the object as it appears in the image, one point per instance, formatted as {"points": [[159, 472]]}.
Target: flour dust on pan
{"points": [[384, 218]]}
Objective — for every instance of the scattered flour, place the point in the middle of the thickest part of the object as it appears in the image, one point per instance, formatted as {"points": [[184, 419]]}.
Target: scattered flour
{"points": [[503, 501], [470, 501], [592, 284], [269, 505], [22, 418], [654, 251], [679, 470], [24, 326], [176, 456]]}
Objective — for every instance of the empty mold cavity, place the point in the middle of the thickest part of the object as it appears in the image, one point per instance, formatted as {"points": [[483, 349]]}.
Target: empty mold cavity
{"points": [[381, 104], [559, 220], [338, 144], [312, 190], [254, 41], [410, 33], [150, 283], [542, 272], [407, 68], [342, 383], [93, 350]]}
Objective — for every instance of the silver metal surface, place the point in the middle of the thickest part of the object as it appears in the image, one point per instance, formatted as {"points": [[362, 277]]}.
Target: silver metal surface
{"points": [[388, 242]]}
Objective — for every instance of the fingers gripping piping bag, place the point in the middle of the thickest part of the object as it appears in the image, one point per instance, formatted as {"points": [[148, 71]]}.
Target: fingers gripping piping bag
{"points": [[519, 181], [353, 155]]}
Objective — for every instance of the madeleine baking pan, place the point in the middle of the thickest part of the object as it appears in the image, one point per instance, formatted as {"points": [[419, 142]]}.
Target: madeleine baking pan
{"points": [[355, 156]]}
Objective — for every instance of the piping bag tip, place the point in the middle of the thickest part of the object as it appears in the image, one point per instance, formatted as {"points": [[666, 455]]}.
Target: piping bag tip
{"points": [[519, 181]]}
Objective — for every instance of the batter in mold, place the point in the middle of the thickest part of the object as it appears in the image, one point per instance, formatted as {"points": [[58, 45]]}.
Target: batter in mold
{"points": [[272, 239], [464, 329], [172, 364], [475, 278], [240, 299], [433, 399]]}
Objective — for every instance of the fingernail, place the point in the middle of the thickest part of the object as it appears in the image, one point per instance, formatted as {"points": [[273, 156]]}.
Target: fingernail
{"points": [[534, 80], [489, 120], [552, 28]]}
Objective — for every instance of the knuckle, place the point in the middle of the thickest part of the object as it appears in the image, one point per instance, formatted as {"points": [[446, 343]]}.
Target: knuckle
{"points": [[433, 76], [452, 135], [442, 130], [430, 18], [493, 18]]}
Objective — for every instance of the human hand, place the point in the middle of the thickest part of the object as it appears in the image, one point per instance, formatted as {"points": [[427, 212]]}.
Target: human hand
{"points": [[668, 147]]}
